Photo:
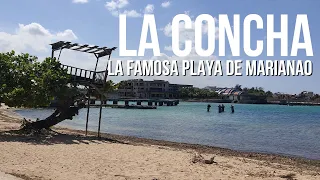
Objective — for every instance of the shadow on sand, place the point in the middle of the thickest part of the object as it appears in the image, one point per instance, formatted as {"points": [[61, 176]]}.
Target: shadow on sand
{"points": [[52, 137]]}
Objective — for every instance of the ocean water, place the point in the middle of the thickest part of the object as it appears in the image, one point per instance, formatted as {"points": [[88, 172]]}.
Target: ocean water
{"points": [[287, 130]]}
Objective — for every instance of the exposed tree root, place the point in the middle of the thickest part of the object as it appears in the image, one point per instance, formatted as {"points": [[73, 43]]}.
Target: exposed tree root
{"points": [[62, 113]]}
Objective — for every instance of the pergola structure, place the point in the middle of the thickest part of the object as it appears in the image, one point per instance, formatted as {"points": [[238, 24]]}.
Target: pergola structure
{"points": [[92, 80]]}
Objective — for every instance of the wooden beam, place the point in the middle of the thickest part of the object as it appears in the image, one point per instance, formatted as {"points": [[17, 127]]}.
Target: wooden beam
{"points": [[94, 49], [57, 45], [104, 53], [80, 47], [89, 49], [98, 51], [69, 46]]}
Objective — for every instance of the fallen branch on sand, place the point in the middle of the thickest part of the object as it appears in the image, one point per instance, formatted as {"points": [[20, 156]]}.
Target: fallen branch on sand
{"points": [[65, 110], [198, 158]]}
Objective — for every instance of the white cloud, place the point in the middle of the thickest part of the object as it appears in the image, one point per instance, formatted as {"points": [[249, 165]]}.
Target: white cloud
{"points": [[188, 13], [80, 1], [132, 13], [35, 39], [166, 4], [115, 7], [32, 36], [149, 9], [188, 34], [116, 4]]}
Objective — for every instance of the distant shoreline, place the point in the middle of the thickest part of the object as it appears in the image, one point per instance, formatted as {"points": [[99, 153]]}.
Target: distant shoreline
{"points": [[269, 102]]}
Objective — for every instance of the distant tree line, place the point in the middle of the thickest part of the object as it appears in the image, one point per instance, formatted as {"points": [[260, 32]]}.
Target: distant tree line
{"points": [[197, 93], [259, 91], [206, 93]]}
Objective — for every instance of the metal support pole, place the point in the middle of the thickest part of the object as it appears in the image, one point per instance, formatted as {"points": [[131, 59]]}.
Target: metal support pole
{"points": [[59, 53], [52, 54], [95, 69], [88, 110], [100, 113]]}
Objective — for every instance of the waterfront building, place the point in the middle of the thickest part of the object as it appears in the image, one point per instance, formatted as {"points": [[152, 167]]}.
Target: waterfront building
{"points": [[307, 94], [139, 88]]}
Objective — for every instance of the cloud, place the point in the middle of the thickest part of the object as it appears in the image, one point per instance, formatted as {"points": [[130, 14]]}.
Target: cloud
{"points": [[80, 1], [116, 4], [149, 9], [132, 13], [35, 39], [188, 34], [166, 4], [115, 7], [32, 37]]}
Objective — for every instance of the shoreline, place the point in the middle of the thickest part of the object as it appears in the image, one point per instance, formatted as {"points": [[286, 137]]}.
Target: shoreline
{"points": [[281, 162], [274, 158], [180, 145], [227, 151], [226, 101]]}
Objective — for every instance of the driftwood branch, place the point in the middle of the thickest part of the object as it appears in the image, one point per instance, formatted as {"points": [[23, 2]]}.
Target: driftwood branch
{"points": [[65, 109]]}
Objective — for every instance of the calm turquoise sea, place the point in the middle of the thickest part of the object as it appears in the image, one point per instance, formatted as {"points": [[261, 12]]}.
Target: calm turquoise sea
{"points": [[287, 130]]}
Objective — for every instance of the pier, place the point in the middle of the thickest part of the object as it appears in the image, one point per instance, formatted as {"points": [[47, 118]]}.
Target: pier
{"points": [[125, 106], [138, 103]]}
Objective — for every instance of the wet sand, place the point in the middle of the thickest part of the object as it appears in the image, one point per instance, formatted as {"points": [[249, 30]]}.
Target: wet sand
{"points": [[68, 154]]}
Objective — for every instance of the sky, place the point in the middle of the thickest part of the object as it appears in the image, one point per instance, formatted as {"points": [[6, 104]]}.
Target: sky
{"points": [[30, 26]]}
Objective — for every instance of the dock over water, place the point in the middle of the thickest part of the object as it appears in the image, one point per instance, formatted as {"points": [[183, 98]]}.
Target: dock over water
{"points": [[125, 106], [151, 103]]}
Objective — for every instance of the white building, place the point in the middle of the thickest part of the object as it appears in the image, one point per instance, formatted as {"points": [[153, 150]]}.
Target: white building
{"points": [[308, 94], [138, 88]]}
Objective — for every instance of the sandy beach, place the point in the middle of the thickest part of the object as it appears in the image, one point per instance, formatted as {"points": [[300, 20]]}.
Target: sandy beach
{"points": [[68, 154]]}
